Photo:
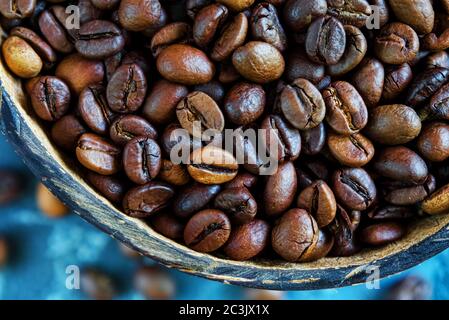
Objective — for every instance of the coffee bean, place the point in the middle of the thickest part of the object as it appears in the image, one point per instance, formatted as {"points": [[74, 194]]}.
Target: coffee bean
{"points": [[354, 187], [193, 6], [409, 195], [207, 230], [244, 103], [193, 198], [418, 14], [154, 283], [369, 80], [50, 98], [343, 227], [207, 22], [167, 225], [295, 235], [53, 28], [382, 233], [130, 126], [298, 65], [98, 154], [94, 109], [66, 131], [105, 4], [299, 14], [438, 107], [175, 174], [232, 37], [176, 32], [313, 140], [318, 199], [21, 57], [397, 78], [17, 9], [438, 59], [138, 15], [248, 240], [265, 26], [352, 151], [352, 12], [425, 85], [433, 143], [244, 179], [437, 202], [237, 5], [142, 159], [143, 201], [237, 203], [213, 89], [112, 188]]}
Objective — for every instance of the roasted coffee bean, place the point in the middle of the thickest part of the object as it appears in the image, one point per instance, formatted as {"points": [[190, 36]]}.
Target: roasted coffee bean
{"points": [[248, 240], [397, 78], [105, 4], [99, 39], [193, 6], [244, 103], [410, 288], [97, 284], [143, 201], [437, 202], [299, 14], [207, 22], [265, 26], [382, 233], [259, 62], [280, 190], [326, 40], [396, 43], [66, 131], [98, 154], [244, 179], [352, 12], [393, 124], [167, 225], [177, 140], [425, 84], [17, 9], [237, 203], [318, 199], [313, 140], [356, 47], [176, 32], [94, 109], [237, 5], [402, 164], [185, 64], [112, 188], [207, 230], [433, 143], [417, 13], [79, 72], [302, 104], [438, 107], [232, 37], [193, 198], [53, 28], [213, 89], [50, 98], [346, 111], [411, 195], [438, 59], [354, 188], [175, 174], [353, 151], [49, 204], [368, 79], [126, 89], [322, 248], [130, 126], [391, 212], [21, 58], [281, 135], [11, 186], [298, 65], [142, 159], [154, 283], [160, 105], [295, 235], [343, 227], [212, 165], [198, 112], [139, 15]]}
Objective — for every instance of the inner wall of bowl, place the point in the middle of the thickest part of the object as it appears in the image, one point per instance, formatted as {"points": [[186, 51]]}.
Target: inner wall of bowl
{"points": [[418, 230]]}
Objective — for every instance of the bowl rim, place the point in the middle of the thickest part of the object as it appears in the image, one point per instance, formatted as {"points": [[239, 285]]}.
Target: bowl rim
{"points": [[36, 150]]}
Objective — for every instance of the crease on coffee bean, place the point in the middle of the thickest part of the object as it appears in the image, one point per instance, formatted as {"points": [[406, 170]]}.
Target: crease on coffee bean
{"points": [[49, 98], [99, 99], [212, 168], [357, 187], [98, 35], [358, 145], [130, 87], [301, 93], [342, 107], [208, 230]]}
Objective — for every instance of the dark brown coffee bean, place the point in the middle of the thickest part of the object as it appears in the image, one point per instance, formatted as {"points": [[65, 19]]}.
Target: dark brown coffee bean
{"points": [[143, 201], [313, 140], [112, 188], [66, 131], [299, 14], [280, 190], [244, 179], [265, 26], [97, 284], [50, 98], [127, 89], [212, 165], [425, 84], [213, 89], [176, 32], [302, 104], [105, 4], [154, 283], [369, 81], [300, 66], [343, 227], [244, 103], [99, 39], [353, 151], [237, 203], [17, 9], [354, 187], [391, 212], [237, 5], [397, 78], [175, 139], [318, 199], [438, 59], [295, 235], [410, 288], [138, 15], [411, 194], [382, 233], [437, 202], [167, 225], [193, 198], [94, 109], [396, 43], [319, 47], [248, 240], [198, 112], [352, 12], [130, 126], [207, 22], [142, 159], [281, 135], [52, 27], [232, 37], [393, 124], [402, 164], [322, 248], [418, 14], [346, 111], [433, 143], [207, 231], [184, 64], [175, 174], [438, 107], [259, 62], [98, 154]]}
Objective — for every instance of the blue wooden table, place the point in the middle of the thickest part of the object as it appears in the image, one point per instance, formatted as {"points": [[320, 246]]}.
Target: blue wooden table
{"points": [[43, 248]]}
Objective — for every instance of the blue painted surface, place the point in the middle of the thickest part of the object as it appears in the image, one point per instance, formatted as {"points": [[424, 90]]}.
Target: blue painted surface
{"points": [[43, 248]]}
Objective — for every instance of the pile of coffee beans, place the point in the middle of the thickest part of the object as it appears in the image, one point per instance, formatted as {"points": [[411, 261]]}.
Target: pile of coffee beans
{"points": [[353, 94]]}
